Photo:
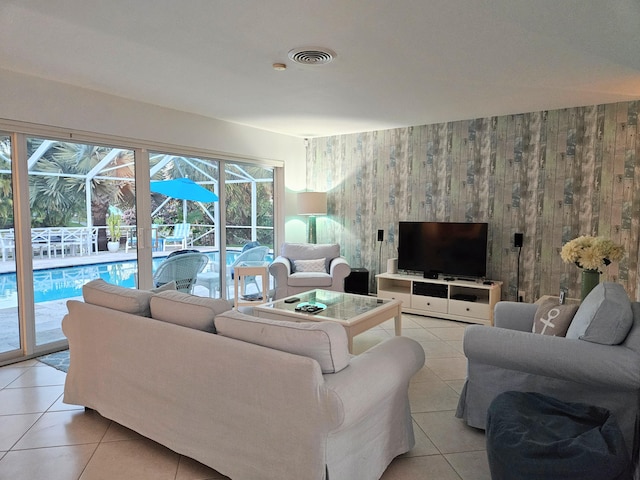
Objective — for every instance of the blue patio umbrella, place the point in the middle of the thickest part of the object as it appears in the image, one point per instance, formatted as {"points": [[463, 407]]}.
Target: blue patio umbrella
{"points": [[184, 189]]}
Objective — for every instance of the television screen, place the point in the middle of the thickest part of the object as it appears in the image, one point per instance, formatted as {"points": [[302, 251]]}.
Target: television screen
{"points": [[448, 248]]}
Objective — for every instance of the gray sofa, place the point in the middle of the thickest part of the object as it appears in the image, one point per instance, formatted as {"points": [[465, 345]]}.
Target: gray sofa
{"points": [[261, 399], [291, 281], [597, 363]]}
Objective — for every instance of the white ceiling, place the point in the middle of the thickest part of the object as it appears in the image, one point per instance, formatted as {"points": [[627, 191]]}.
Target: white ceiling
{"points": [[399, 63]]}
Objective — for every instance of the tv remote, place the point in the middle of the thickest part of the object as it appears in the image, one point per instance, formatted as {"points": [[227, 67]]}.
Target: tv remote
{"points": [[292, 300]]}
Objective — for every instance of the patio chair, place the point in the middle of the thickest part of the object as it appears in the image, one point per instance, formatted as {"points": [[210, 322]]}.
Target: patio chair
{"points": [[157, 242], [181, 235], [182, 269], [7, 244], [211, 279]]}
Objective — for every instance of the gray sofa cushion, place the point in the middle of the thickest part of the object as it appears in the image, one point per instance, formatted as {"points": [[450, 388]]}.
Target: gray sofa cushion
{"points": [[604, 316], [128, 300], [325, 342], [187, 310]]}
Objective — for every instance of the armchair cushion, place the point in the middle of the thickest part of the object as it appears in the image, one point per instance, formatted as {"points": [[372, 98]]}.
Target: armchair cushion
{"points": [[310, 279], [604, 316], [551, 318]]}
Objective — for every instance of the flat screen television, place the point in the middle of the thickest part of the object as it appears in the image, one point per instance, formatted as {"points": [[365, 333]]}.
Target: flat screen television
{"points": [[447, 248]]}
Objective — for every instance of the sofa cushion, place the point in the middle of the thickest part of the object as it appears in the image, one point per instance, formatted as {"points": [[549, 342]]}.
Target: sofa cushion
{"points": [[604, 316], [325, 342], [553, 319], [313, 266], [187, 310], [128, 300]]}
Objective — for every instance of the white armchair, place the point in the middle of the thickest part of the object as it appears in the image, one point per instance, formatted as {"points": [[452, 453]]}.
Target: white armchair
{"points": [[290, 281]]}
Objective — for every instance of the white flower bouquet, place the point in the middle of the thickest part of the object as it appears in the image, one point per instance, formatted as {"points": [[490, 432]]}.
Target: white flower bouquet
{"points": [[591, 253]]}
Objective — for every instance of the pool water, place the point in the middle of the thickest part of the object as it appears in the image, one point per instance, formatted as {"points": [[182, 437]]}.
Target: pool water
{"points": [[66, 282]]}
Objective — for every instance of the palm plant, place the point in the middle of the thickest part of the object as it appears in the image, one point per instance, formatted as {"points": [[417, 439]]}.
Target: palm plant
{"points": [[59, 196], [6, 202]]}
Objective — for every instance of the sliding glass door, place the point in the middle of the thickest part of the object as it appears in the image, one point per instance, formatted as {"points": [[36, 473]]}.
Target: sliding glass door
{"points": [[9, 321], [70, 213], [249, 213], [76, 190], [185, 213]]}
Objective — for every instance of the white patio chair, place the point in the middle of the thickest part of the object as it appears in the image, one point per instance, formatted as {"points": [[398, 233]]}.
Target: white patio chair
{"points": [[72, 240], [182, 269], [181, 235], [157, 241], [7, 244], [41, 241], [211, 280]]}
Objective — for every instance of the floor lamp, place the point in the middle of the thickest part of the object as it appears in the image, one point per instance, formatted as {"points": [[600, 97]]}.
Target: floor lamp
{"points": [[312, 204]]}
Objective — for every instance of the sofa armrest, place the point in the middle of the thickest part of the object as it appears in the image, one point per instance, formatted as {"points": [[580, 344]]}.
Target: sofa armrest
{"points": [[556, 357], [514, 315], [381, 372], [339, 268]]}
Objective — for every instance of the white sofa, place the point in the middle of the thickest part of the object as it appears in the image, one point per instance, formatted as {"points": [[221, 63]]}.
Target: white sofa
{"points": [[231, 401]]}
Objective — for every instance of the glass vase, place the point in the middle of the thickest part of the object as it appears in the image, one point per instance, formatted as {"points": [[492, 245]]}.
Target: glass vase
{"points": [[590, 278]]}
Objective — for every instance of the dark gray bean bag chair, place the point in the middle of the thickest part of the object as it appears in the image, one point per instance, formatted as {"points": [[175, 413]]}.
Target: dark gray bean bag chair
{"points": [[531, 436]]}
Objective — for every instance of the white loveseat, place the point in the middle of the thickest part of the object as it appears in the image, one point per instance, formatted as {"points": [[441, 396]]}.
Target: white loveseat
{"points": [[230, 401]]}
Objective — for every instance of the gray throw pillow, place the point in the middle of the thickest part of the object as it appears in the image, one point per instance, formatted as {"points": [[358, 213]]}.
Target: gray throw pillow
{"points": [[553, 319], [604, 316]]}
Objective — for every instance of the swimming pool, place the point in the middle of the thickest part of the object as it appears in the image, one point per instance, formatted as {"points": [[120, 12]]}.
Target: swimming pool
{"points": [[66, 282]]}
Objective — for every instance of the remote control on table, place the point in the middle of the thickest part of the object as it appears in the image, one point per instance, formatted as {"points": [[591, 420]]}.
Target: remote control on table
{"points": [[292, 300]]}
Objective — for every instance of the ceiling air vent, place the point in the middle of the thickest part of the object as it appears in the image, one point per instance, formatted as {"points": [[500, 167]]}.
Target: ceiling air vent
{"points": [[312, 55]]}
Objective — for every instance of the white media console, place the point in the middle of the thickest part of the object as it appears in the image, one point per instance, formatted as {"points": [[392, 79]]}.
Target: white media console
{"points": [[464, 300]]}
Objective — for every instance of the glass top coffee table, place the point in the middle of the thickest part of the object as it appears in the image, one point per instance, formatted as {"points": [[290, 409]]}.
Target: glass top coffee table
{"points": [[356, 313]]}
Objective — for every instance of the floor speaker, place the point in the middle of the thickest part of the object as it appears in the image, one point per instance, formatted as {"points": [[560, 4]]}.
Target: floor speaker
{"points": [[357, 281]]}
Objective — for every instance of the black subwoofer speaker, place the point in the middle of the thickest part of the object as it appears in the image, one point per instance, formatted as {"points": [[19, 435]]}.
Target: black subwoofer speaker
{"points": [[357, 281]]}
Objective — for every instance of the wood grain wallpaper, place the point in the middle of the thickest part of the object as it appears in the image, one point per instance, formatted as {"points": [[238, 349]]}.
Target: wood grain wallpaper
{"points": [[552, 175]]}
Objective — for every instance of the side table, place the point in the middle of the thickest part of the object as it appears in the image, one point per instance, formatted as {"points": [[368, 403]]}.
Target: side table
{"points": [[250, 269]]}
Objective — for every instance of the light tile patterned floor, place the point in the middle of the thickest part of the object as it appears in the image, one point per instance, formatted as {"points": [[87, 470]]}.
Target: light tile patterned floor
{"points": [[43, 438]]}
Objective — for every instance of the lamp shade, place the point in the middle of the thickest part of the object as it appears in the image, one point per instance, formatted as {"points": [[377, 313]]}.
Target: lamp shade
{"points": [[312, 203]]}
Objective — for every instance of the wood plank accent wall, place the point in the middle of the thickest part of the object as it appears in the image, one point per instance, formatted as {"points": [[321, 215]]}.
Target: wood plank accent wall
{"points": [[552, 175]]}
